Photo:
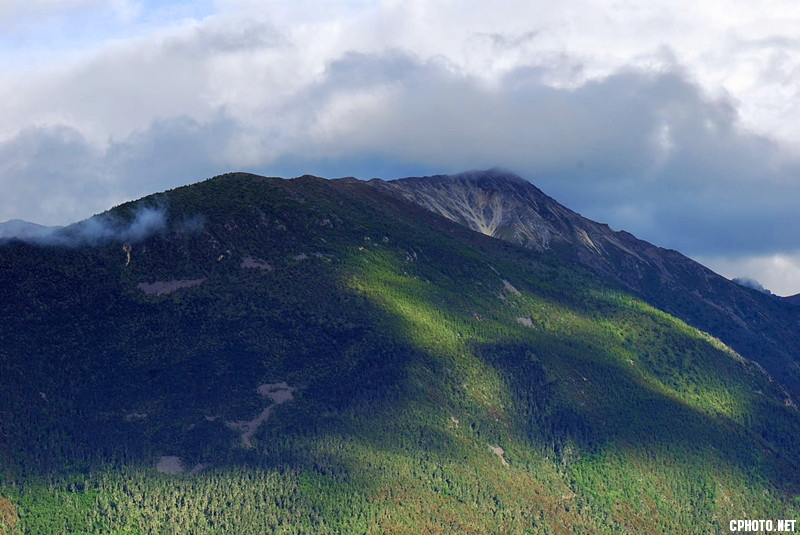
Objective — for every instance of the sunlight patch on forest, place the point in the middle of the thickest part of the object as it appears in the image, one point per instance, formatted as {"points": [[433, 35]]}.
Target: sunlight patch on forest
{"points": [[433, 331]]}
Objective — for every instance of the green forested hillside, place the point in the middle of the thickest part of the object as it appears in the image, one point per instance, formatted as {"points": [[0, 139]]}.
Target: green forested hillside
{"points": [[436, 381]]}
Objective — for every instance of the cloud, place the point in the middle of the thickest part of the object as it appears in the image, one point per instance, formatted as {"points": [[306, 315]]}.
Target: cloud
{"points": [[96, 230], [39, 11], [55, 175], [675, 121], [778, 272], [105, 227], [751, 283], [649, 152], [193, 70], [51, 175]]}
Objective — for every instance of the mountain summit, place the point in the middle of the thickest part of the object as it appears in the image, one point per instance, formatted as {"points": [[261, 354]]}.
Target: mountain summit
{"points": [[497, 204], [261, 355]]}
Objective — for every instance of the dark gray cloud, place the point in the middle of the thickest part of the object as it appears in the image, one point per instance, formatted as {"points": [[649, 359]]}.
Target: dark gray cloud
{"points": [[56, 176], [52, 176], [171, 153], [245, 36]]}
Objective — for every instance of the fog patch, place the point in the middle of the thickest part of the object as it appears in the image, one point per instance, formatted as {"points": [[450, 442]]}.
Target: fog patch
{"points": [[96, 230], [191, 225], [106, 228], [751, 283], [23, 230], [778, 272]]}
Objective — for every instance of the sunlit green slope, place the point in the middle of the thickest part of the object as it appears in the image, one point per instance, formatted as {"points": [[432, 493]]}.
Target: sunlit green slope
{"points": [[311, 356]]}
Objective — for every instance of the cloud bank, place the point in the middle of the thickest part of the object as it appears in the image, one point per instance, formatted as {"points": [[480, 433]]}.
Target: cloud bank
{"points": [[679, 128], [96, 230]]}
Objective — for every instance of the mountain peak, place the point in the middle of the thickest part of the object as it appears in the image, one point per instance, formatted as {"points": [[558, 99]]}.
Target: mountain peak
{"points": [[497, 203]]}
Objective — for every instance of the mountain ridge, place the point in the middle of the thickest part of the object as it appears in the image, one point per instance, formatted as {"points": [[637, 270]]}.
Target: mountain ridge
{"points": [[431, 379], [503, 205]]}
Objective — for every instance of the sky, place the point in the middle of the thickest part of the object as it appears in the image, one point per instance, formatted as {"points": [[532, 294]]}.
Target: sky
{"points": [[677, 121]]}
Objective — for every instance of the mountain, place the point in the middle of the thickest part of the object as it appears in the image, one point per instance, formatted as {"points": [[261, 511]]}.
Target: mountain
{"points": [[505, 206], [261, 355], [793, 299], [17, 228]]}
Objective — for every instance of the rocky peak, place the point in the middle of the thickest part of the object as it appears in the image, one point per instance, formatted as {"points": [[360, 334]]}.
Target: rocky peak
{"points": [[503, 205], [494, 202]]}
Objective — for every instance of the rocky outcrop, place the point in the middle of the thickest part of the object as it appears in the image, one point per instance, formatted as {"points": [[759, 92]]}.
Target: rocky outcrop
{"points": [[166, 287]]}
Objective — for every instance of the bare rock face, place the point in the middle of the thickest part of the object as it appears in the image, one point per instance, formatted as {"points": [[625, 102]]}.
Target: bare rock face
{"points": [[166, 287], [492, 202], [170, 464], [255, 263], [278, 393]]}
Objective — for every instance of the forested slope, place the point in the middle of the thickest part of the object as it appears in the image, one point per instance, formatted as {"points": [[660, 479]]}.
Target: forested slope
{"points": [[436, 380]]}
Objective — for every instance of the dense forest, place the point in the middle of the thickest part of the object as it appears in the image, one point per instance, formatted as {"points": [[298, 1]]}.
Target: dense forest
{"points": [[434, 380]]}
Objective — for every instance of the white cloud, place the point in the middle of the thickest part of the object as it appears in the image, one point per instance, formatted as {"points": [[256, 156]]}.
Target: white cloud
{"points": [[779, 273], [17, 16], [739, 49]]}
